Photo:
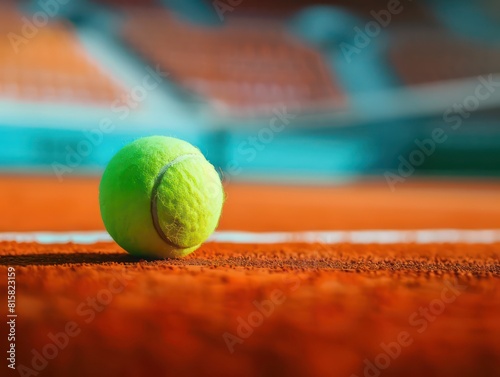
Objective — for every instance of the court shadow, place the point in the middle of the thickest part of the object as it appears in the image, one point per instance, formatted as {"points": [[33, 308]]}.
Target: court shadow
{"points": [[54, 259]]}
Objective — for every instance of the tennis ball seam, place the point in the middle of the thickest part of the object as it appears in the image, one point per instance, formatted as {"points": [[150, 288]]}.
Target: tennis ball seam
{"points": [[154, 197]]}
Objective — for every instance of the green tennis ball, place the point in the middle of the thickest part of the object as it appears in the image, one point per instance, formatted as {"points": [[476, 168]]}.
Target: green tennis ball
{"points": [[160, 197]]}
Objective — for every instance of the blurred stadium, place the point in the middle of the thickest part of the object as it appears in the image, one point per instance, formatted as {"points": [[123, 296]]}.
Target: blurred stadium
{"points": [[300, 91]]}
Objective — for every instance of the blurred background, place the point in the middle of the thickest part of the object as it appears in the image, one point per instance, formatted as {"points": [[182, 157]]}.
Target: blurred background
{"points": [[301, 91]]}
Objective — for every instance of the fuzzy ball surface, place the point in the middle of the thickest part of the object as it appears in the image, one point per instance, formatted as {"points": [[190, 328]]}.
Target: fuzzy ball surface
{"points": [[159, 197]]}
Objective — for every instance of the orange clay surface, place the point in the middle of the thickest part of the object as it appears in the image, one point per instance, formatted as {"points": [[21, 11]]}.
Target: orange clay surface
{"points": [[337, 308], [44, 203]]}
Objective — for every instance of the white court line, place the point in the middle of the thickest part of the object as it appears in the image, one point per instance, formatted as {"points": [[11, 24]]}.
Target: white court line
{"points": [[423, 236]]}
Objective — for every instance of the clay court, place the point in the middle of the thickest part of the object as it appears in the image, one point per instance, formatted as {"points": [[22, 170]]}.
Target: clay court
{"points": [[339, 309], [246, 188]]}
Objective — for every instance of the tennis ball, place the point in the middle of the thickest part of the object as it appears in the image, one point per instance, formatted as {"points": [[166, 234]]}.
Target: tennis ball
{"points": [[159, 197]]}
